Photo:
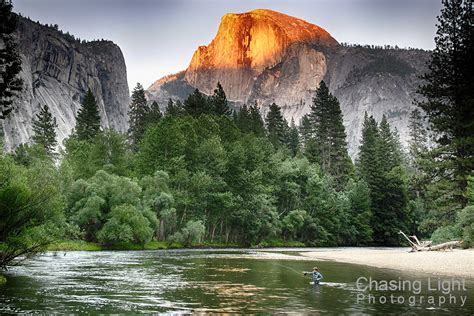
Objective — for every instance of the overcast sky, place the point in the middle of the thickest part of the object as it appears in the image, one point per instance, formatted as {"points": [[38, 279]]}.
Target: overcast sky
{"points": [[158, 37]]}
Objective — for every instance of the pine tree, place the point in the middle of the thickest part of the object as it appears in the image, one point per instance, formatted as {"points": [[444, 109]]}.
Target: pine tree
{"points": [[389, 145], [306, 130], [242, 119], [154, 114], [138, 114], [174, 108], [277, 127], [368, 162], [88, 118], [369, 167], [418, 143], [257, 126], [330, 136], [44, 130], [448, 93], [386, 179], [197, 103], [218, 102], [10, 60], [293, 138]]}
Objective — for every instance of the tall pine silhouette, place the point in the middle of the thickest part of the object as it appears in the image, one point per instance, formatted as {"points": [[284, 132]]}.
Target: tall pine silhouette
{"points": [[277, 127], [44, 130], [197, 103], [380, 168], [330, 136], [138, 115], [88, 118], [219, 102], [448, 94]]}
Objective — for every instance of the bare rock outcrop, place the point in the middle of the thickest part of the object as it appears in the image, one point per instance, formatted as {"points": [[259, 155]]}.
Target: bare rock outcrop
{"points": [[264, 56], [57, 71]]}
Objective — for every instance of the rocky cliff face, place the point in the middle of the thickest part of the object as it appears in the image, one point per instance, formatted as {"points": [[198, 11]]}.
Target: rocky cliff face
{"points": [[57, 71], [264, 56]]}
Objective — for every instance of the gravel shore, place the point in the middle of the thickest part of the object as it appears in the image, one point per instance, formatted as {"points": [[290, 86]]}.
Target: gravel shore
{"points": [[456, 263]]}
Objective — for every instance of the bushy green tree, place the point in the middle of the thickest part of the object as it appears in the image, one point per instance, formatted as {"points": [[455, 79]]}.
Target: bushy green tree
{"points": [[30, 209], [108, 150], [293, 222], [465, 220], [91, 205], [28, 155], [125, 223], [193, 232], [360, 214]]}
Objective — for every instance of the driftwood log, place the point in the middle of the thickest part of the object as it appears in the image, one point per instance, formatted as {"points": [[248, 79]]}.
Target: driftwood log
{"points": [[416, 245]]}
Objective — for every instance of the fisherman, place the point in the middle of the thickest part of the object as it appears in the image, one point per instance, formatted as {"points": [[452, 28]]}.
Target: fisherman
{"points": [[317, 276]]}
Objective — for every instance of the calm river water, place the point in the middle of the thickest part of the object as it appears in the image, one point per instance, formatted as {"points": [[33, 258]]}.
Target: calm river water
{"points": [[212, 281]]}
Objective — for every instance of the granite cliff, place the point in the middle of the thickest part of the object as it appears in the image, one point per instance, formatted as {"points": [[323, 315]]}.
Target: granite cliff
{"points": [[264, 56], [57, 71]]}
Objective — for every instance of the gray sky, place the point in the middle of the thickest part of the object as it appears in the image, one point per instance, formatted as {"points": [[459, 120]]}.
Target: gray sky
{"points": [[158, 37]]}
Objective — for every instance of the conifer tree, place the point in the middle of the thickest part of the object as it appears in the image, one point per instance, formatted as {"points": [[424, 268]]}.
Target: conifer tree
{"points": [[293, 138], [448, 93], [10, 60], [88, 118], [242, 119], [386, 179], [154, 114], [368, 161], [138, 115], [330, 136], [197, 103], [174, 108], [44, 130], [389, 145], [257, 126], [306, 130], [418, 143], [277, 127], [218, 101]]}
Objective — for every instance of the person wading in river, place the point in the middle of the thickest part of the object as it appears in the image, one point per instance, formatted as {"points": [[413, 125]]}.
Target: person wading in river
{"points": [[317, 276]]}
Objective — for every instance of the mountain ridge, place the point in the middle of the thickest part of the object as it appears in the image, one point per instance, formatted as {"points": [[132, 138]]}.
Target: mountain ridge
{"points": [[364, 78], [57, 70]]}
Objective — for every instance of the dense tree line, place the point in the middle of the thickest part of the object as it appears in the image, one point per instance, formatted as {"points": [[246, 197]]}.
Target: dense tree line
{"points": [[197, 171]]}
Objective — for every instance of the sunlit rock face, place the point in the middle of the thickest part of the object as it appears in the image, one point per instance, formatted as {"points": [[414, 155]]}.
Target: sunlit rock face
{"points": [[263, 56], [57, 71], [245, 46]]}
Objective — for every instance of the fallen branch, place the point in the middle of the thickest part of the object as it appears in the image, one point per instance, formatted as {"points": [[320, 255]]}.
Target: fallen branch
{"points": [[416, 245]]}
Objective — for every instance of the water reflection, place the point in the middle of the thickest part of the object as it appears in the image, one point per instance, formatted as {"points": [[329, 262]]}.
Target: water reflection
{"points": [[226, 281]]}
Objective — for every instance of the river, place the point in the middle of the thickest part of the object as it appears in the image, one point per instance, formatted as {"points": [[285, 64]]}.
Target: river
{"points": [[184, 281]]}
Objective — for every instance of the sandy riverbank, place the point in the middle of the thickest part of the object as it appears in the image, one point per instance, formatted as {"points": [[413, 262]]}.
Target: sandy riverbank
{"points": [[458, 263]]}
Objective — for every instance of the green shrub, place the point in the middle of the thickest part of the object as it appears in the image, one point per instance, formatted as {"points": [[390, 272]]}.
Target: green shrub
{"points": [[125, 224], [445, 233]]}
